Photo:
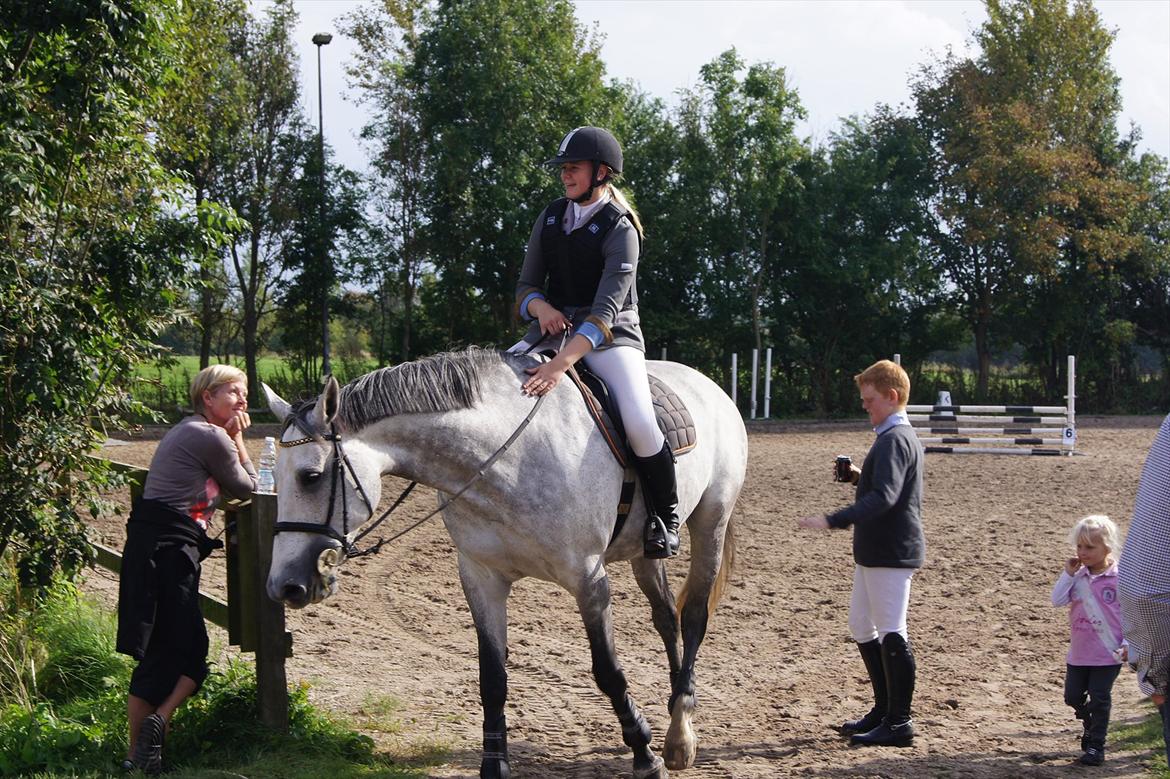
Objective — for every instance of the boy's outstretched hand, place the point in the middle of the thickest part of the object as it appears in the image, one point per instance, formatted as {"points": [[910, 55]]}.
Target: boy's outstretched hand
{"points": [[820, 522]]}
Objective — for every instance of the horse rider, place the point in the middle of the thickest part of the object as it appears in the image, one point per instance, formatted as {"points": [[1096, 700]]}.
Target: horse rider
{"points": [[579, 273]]}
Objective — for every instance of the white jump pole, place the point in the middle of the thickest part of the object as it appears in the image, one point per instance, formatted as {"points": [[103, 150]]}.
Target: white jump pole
{"points": [[663, 354], [734, 375], [755, 373], [1071, 399], [768, 383], [897, 358]]}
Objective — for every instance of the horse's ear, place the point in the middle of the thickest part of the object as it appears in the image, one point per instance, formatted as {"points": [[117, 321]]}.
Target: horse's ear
{"points": [[329, 403], [276, 404]]}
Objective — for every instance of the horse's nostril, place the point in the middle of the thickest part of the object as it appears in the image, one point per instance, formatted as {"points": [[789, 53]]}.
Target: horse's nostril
{"points": [[293, 593]]}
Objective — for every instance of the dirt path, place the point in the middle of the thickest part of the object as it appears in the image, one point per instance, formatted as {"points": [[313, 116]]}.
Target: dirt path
{"points": [[777, 669]]}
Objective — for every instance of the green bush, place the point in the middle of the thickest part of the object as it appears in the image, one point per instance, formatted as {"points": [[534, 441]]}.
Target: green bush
{"points": [[63, 705]]}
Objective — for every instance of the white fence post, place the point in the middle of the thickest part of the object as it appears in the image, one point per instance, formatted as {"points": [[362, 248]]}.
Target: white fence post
{"points": [[734, 374], [664, 354], [755, 373], [768, 383]]}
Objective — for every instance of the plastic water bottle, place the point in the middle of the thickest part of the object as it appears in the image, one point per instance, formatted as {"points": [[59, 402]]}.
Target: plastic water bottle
{"points": [[266, 479]]}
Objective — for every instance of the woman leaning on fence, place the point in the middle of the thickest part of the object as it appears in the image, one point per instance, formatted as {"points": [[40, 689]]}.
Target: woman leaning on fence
{"points": [[159, 621]]}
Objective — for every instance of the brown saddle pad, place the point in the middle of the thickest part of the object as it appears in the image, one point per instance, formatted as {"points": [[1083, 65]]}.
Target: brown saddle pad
{"points": [[674, 419]]}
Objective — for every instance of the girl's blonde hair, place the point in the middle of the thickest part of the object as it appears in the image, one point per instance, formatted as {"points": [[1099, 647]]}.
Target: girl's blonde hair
{"points": [[1101, 526], [621, 200], [211, 378]]}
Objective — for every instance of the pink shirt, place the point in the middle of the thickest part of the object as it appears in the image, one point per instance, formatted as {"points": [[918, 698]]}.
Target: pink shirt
{"points": [[1092, 639]]}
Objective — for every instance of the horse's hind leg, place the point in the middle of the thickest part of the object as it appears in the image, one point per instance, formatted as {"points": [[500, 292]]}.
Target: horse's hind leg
{"points": [[651, 577], [681, 744], [707, 525], [487, 595], [594, 604]]}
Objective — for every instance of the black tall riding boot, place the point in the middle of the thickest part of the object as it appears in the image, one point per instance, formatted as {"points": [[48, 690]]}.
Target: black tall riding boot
{"points": [[871, 655], [660, 487], [897, 729]]}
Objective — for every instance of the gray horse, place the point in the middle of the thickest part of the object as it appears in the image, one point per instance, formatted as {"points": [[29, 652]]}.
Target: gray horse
{"points": [[438, 421]]}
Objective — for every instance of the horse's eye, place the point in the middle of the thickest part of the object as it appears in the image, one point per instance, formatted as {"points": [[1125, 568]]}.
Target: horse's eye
{"points": [[309, 478]]}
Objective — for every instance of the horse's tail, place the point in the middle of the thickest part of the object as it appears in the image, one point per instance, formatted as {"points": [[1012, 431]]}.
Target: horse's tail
{"points": [[726, 567]]}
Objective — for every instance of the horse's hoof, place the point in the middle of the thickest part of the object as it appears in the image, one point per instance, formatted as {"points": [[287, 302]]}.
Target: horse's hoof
{"points": [[656, 770], [681, 745], [494, 768], [680, 755]]}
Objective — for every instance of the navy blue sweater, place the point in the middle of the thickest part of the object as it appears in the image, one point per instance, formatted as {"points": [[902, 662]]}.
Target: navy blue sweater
{"points": [[887, 513]]}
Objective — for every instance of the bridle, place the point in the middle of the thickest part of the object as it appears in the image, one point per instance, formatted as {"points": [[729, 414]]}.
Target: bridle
{"points": [[337, 474], [341, 464]]}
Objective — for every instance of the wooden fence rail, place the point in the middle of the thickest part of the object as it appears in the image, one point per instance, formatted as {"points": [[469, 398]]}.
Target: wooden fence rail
{"points": [[253, 622]]}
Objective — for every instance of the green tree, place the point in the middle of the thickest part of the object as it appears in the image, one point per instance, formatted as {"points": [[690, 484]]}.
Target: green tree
{"points": [[857, 285], [670, 265], [197, 123], [737, 168], [1030, 206], [393, 259], [498, 83], [1144, 294], [259, 167], [93, 251], [325, 221]]}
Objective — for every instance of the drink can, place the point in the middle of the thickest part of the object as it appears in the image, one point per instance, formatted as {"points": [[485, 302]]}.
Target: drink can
{"points": [[844, 468]]}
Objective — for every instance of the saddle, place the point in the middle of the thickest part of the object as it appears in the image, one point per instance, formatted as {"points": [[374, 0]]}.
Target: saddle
{"points": [[674, 419]]}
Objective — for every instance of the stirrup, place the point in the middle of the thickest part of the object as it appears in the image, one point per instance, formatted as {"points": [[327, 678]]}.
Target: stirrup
{"points": [[656, 543]]}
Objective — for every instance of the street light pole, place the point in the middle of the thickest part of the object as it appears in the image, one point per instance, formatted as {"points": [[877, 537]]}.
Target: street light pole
{"points": [[322, 39]]}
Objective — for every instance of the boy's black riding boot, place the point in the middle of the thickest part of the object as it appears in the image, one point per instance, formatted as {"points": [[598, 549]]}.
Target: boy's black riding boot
{"points": [[871, 655], [660, 488], [897, 729]]}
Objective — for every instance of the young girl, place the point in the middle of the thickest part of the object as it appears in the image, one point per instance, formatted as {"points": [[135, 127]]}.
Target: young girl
{"points": [[1088, 585], [579, 272]]}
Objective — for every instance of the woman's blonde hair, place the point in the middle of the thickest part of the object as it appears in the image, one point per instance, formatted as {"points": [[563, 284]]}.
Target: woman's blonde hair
{"points": [[210, 379], [1103, 528]]}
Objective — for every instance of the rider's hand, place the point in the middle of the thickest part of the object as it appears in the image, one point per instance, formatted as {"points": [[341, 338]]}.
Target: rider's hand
{"points": [[544, 377], [552, 321]]}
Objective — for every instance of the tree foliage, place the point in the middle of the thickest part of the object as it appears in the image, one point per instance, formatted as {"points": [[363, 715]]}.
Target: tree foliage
{"points": [[1030, 202], [93, 251], [498, 82]]}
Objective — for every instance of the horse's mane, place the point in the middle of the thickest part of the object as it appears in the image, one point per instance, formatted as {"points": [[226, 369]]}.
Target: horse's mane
{"points": [[447, 381]]}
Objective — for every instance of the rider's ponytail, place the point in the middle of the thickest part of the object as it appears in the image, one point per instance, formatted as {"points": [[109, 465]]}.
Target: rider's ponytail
{"points": [[620, 199]]}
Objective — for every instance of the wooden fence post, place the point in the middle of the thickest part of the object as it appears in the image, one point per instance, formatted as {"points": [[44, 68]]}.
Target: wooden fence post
{"points": [[272, 644]]}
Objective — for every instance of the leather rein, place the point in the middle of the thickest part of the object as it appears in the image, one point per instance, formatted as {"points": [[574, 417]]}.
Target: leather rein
{"points": [[341, 464]]}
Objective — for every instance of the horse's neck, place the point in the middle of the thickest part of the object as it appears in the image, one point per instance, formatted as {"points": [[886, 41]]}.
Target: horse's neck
{"points": [[444, 450]]}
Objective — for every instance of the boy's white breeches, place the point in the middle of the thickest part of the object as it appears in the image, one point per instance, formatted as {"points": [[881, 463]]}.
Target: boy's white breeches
{"points": [[879, 602]]}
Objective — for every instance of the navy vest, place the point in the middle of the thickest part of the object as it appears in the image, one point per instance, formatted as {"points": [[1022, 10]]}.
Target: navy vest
{"points": [[574, 261]]}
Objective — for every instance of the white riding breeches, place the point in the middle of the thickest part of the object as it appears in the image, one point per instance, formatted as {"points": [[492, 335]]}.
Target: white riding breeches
{"points": [[623, 368], [879, 602]]}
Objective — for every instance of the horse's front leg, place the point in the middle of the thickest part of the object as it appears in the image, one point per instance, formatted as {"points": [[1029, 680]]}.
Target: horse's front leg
{"points": [[487, 595], [594, 604]]}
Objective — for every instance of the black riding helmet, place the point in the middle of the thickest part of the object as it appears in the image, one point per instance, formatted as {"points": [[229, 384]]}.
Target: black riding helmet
{"points": [[591, 144]]}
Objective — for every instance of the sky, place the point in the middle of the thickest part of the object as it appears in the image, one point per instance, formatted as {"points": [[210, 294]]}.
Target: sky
{"points": [[842, 56]]}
